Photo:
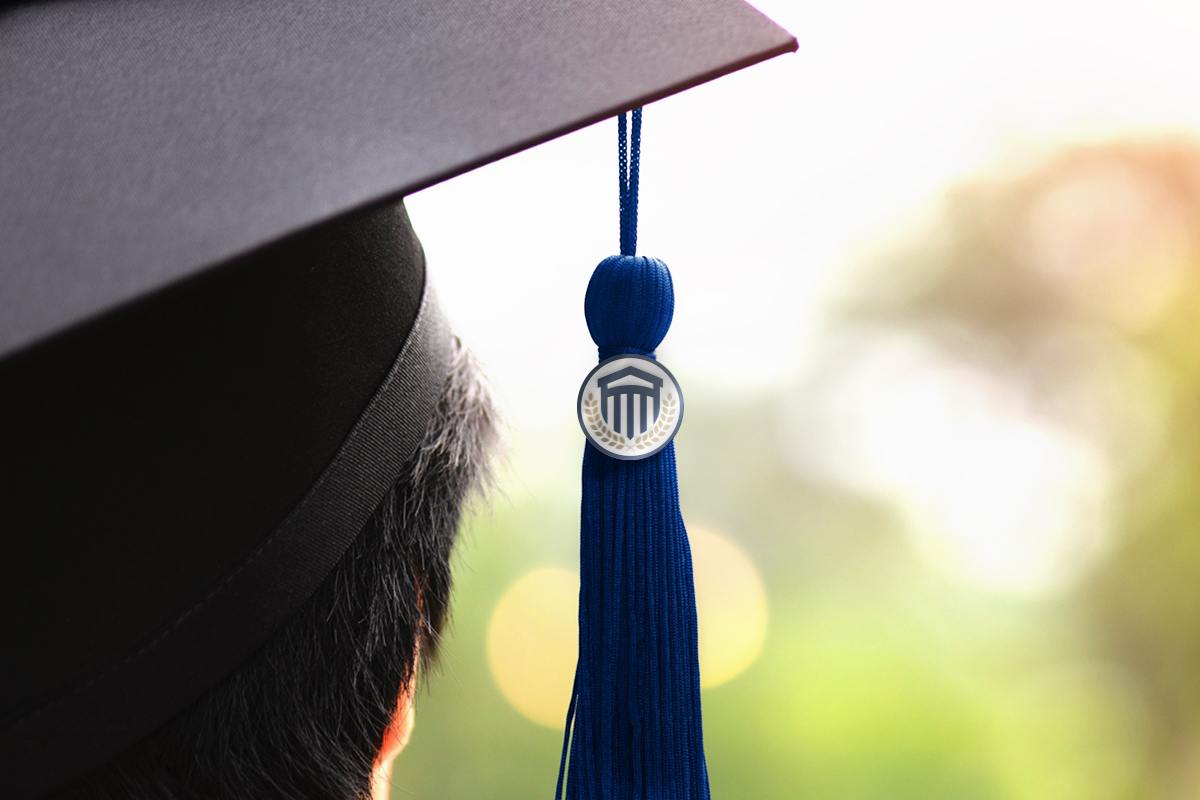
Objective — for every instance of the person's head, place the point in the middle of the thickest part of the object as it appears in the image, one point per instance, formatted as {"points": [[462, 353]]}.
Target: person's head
{"points": [[277, 458], [321, 708]]}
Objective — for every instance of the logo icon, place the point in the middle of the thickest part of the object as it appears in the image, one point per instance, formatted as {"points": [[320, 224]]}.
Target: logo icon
{"points": [[630, 407]]}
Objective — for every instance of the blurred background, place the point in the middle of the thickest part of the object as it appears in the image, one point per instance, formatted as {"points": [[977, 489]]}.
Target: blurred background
{"points": [[938, 283]]}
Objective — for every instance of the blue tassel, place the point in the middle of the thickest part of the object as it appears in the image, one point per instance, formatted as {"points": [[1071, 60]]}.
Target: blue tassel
{"points": [[634, 724]]}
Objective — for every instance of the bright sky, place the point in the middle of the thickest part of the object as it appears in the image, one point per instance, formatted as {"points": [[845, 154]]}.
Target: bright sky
{"points": [[763, 189]]}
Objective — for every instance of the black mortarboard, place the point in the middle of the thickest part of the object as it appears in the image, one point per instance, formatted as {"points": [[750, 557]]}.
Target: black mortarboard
{"points": [[197, 411]]}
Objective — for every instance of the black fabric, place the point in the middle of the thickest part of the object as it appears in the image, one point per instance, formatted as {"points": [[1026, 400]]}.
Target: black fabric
{"points": [[143, 141], [178, 478]]}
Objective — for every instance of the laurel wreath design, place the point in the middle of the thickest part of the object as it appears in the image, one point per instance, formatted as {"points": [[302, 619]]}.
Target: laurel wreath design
{"points": [[605, 435]]}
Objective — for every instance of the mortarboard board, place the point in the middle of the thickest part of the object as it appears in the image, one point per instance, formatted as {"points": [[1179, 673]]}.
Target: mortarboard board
{"points": [[197, 411]]}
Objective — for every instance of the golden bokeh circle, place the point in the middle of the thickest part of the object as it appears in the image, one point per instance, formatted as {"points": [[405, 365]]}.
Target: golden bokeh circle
{"points": [[731, 606], [532, 643]]}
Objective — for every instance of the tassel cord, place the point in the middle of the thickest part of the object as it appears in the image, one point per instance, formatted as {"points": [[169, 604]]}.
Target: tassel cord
{"points": [[629, 157]]}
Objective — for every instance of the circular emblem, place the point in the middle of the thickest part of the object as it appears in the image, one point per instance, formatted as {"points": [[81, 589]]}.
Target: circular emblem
{"points": [[630, 407]]}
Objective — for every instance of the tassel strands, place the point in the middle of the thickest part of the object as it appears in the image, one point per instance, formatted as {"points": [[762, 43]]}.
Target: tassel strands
{"points": [[634, 729]]}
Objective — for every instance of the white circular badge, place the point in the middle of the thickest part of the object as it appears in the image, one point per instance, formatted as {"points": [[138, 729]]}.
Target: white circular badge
{"points": [[630, 407]]}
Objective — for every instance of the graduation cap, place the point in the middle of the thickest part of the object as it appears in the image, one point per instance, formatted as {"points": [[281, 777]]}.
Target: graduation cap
{"points": [[198, 410]]}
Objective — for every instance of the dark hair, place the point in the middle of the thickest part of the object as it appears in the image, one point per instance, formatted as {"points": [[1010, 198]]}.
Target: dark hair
{"points": [[305, 717]]}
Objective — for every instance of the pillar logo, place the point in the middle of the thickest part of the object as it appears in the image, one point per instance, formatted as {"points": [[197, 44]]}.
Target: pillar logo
{"points": [[630, 407]]}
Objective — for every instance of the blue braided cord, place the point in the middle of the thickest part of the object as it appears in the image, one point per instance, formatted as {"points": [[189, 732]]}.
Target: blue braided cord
{"points": [[629, 157]]}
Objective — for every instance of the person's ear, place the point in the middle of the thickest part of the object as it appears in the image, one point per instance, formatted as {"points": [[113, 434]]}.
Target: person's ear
{"points": [[394, 740]]}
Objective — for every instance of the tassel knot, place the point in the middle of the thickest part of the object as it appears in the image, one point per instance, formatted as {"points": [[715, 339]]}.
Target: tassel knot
{"points": [[629, 305]]}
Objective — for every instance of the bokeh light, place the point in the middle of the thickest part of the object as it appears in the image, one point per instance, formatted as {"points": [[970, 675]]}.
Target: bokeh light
{"points": [[992, 493], [731, 606], [532, 641]]}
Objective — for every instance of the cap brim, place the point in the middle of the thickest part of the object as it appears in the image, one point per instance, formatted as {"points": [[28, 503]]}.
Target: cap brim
{"points": [[145, 143]]}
